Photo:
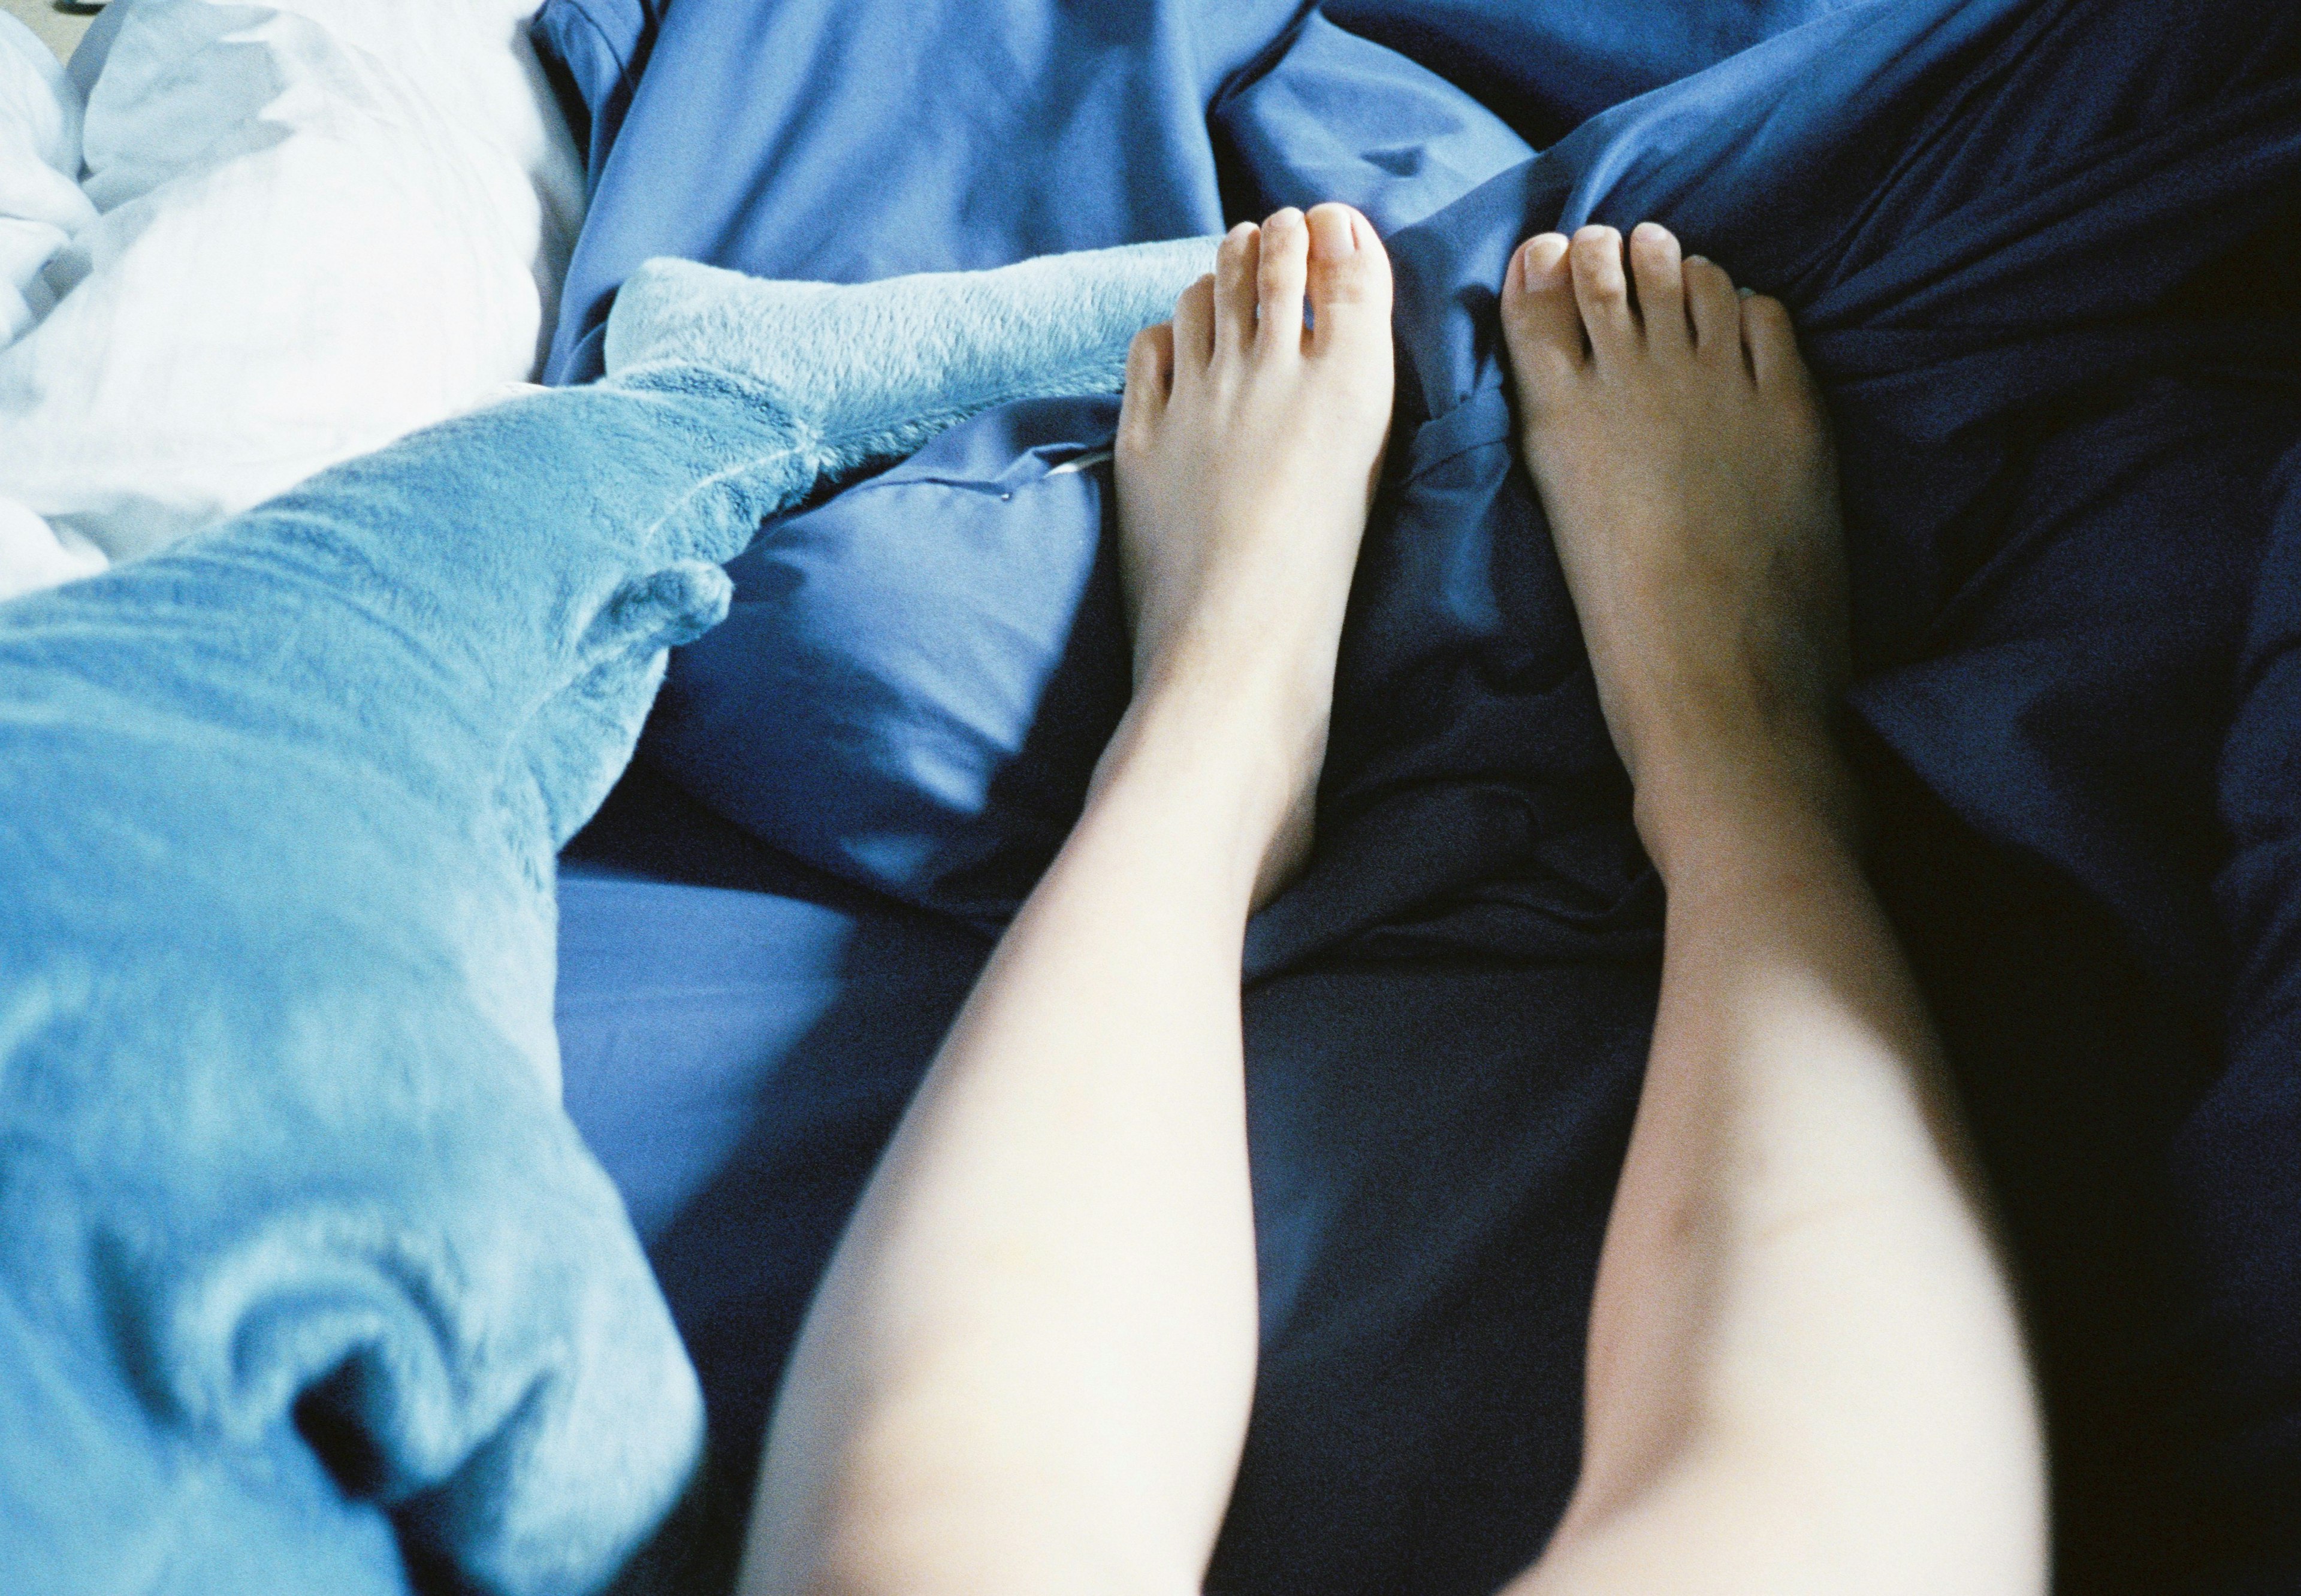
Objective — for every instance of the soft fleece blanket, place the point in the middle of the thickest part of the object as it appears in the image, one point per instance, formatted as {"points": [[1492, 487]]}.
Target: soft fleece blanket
{"points": [[306, 1283], [2041, 251]]}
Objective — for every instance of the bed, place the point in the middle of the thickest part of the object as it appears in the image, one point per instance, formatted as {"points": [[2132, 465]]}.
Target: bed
{"points": [[2061, 354]]}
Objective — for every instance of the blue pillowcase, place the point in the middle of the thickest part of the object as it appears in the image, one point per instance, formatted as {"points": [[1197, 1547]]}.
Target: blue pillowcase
{"points": [[916, 677]]}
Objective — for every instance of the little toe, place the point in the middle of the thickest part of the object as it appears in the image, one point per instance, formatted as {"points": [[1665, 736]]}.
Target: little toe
{"points": [[1603, 290], [1194, 329], [1286, 267], [1542, 323], [1713, 308], [1348, 280], [1660, 277], [1238, 271], [1771, 342]]}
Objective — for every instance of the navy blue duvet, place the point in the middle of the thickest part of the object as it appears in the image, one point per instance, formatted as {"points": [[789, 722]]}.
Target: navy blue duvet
{"points": [[2042, 254]]}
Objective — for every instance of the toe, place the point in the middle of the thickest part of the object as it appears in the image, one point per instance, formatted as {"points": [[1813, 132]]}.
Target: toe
{"points": [[1194, 329], [1660, 276], [1771, 342], [1150, 379], [1286, 267], [1542, 324], [1348, 280], [1237, 271], [1713, 308], [1602, 289]]}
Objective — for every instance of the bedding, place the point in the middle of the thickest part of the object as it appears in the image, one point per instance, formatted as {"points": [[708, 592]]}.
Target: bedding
{"points": [[2041, 252], [40, 203], [307, 1280], [41, 206], [741, 1032], [306, 228]]}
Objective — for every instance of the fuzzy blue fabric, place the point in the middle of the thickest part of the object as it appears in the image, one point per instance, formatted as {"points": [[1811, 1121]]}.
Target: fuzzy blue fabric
{"points": [[1038, 328], [307, 1281]]}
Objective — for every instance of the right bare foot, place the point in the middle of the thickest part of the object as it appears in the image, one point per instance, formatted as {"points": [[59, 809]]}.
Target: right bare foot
{"points": [[1247, 453], [1685, 463]]}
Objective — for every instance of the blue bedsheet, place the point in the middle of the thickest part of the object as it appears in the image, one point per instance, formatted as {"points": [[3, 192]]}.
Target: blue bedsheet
{"points": [[2042, 253]]}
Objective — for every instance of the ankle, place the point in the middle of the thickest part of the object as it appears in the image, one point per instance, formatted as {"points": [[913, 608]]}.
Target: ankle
{"points": [[1247, 697], [1731, 808], [1221, 779]]}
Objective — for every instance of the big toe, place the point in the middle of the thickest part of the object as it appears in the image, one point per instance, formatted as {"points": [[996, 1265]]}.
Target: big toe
{"points": [[1347, 281], [1542, 323]]}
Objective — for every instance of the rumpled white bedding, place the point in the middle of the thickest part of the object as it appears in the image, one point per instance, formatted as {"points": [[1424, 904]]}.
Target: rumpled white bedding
{"points": [[41, 210], [300, 229]]}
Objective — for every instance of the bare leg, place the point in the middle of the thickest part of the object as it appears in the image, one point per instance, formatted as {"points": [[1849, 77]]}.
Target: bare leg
{"points": [[1806, 1372], [1029, 1367]]}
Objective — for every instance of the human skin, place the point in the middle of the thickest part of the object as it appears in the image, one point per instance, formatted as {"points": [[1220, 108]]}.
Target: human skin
{"points": [[1029, 1367], [1806, 1370]]}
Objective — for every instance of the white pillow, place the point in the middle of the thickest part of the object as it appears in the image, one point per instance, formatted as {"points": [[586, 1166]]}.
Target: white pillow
{"points": [[41, 207], [41, 204], [317, 225]]}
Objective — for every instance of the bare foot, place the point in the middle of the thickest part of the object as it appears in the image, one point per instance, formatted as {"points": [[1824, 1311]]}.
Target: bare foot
{"points": [[1247, 454], [1683, 458]]}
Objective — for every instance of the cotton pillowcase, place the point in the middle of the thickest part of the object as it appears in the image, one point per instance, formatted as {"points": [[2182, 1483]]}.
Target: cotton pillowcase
{"points": [[41, 207], [918, 675], [316, 225]]}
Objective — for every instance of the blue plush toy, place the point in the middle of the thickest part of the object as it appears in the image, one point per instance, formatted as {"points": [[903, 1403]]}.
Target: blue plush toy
{"points": [[306, 1283]]}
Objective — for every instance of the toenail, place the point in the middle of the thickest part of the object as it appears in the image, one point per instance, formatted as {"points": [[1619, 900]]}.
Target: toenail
{"points": [[1650, 229], [1592, 230], [1543, 252], [1697, 259], [1745, 293]]}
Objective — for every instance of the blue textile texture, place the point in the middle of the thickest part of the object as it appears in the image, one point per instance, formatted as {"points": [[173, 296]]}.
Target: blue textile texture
{"points": [[2041, 252], [307, 1282]]}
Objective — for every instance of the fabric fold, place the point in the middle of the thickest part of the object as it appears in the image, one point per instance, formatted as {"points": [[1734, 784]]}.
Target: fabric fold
{"points": [[302, 1265], [1054, 326]]}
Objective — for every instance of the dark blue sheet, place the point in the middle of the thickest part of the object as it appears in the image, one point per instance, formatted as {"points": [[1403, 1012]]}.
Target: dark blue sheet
{"points": [[740, 1034], [2042, 254]]}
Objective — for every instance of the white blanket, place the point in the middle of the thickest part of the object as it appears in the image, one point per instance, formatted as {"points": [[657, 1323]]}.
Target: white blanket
{"points": [[301, 229]]}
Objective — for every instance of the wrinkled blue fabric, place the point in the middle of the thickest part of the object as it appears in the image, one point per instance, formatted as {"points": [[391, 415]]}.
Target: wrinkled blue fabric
{"points": [[307, 1284], [298, 1250], [2041, 255], [877, 140]]}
